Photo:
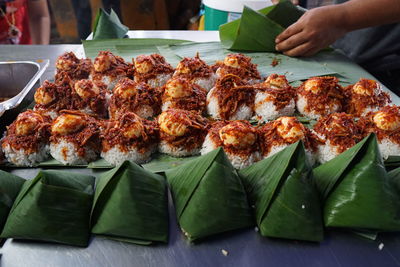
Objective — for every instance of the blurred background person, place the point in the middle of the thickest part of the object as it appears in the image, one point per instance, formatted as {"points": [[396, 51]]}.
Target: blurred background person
{"points": [[24, 22]]}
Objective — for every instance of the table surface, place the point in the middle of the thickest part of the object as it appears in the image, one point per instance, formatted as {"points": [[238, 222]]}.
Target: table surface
{"points": [[245, 247]]}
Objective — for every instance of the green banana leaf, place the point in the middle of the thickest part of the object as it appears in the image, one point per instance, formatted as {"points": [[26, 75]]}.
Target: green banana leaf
{"points": [[357, 190], [209, 196], [394, 177], [10, 185], [161, 162], [257, 30], [131, 204], [286, 201], [54, 206], [108, 26]]}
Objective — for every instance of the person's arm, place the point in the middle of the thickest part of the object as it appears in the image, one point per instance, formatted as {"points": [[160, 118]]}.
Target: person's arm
{"points": [[39, 21], [322, 26]]}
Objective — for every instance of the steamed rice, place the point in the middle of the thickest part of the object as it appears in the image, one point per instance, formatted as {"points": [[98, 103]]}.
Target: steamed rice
{"points": [[18, 157], [166, 148], [116, 155], [244, 112], [266, 110], [301, 104], [67, 153], [388, 148]]}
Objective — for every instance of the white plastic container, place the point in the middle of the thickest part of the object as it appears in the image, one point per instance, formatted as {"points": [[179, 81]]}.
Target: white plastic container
{"points": [[218, 12]]}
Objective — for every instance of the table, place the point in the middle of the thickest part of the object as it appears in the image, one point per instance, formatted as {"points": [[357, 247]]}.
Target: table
{"points": [[245, 247]]}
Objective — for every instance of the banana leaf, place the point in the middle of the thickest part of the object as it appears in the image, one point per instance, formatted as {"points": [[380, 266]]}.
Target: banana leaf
{"points": [[357, 190], [257, 30], [131, 204], [10, 185], [161, 162], [394, 177], [286, 201], [209, 196], [108, 26], [54, 206]]}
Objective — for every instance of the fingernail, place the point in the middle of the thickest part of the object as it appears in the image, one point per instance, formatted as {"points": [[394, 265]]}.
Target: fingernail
{"points": [[276, 48]]}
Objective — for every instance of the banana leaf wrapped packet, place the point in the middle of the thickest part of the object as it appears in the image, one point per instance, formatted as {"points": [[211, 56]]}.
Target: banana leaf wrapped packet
{"points": [[357, 190], [286, 201], [209, 196], [10, 185], [54, 206], [131, 205]]}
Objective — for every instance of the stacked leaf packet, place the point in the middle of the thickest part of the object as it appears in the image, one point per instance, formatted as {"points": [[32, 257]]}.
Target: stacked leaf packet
{"points": [[10, 185], [358, 192], [284, 196], [131, 205], [257, 30], [108, 26], [209, 196], [54, 206]]}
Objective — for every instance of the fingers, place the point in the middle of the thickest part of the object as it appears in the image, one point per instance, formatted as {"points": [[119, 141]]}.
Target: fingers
{"points": [[292, 42], [300, 50], [291, 30]]}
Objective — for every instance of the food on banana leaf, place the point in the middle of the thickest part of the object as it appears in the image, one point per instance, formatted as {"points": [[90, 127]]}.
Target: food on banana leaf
{"points": [[319, 96], [69, 65], [152, 69], [180, 93], [209, 196], [50, 97], [356, 190], [385, 123], [237, 138], [182, 132], [231, 99], [75, 138], [54, 206], [90, 97], [278, 134], [129, 137], [109, 69], [239, 65], [196, 71], [131, 204], [336, 132], [10, 185], [365, 96], [282, 190], [129, 96], [274, 98], [26, 142]]}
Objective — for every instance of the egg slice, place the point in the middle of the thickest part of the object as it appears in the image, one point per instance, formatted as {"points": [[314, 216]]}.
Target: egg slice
{"points": [[104, 61], [386, 122], [133, 128], [313, 85], [176, 88], [182, 68], [276, 81], [169, 125], [125, 88], [42, 96], [289, 129], [86, 89], [67, 124], [237, 135], [366, 87], [231, 61], [26, 123], [143, 64]]}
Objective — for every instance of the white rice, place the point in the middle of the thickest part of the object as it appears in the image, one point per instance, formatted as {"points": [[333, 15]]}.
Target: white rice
{"points": [[20, 158], [145, 111], [301, 103], [117, 156], [51, 113], [108, 80], [166, 148], [388, 148], [206, 83], [160, 80], [243, 112], [266, 110], [237, 161], [166, 105], [311, 157], [66, 153], [326, 152]]}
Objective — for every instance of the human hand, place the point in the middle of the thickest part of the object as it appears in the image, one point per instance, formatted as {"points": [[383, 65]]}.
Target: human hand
{"points": [[295, 2], [315, 30]]}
